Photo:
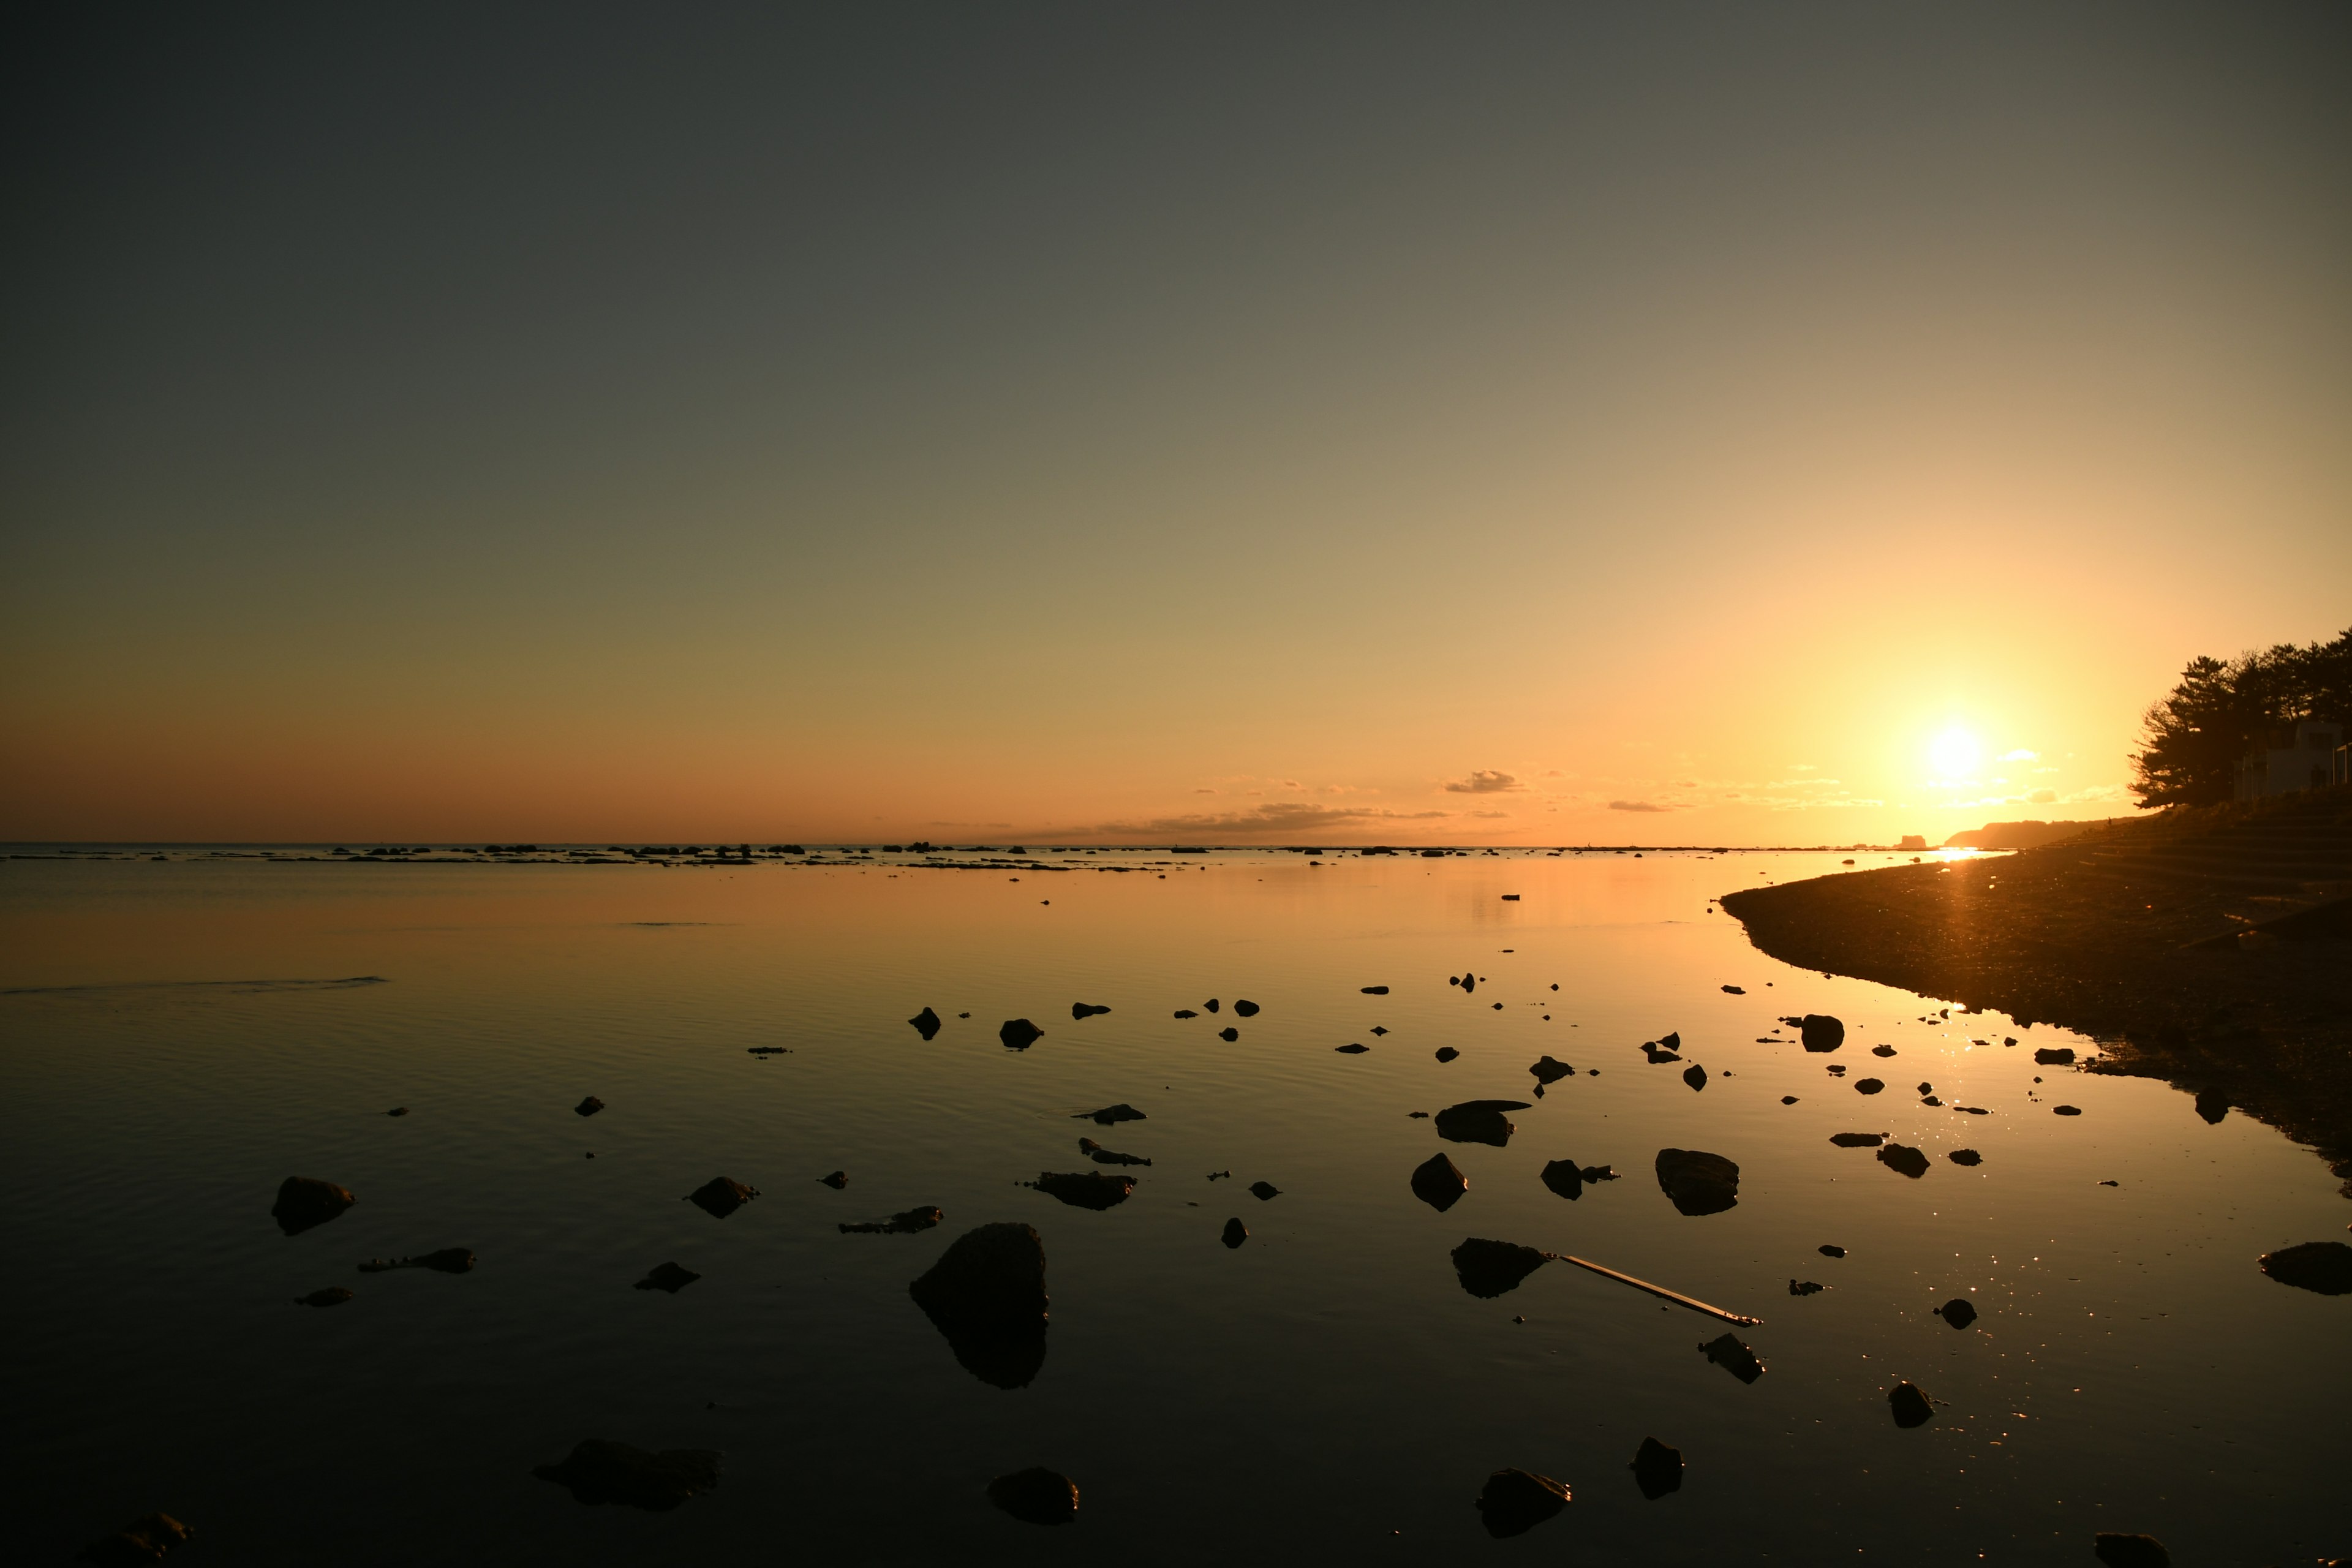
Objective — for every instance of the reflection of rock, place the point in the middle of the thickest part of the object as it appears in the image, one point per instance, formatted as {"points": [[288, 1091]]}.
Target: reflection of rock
{"points": [[927, 1023], [1085, 1189], [2117, 1551], [1959, 1311], [1697, 1181], [141, 1542], [1439, 1183], [1965, 1157], [601, 1472], [987, 1295], [720, 1197], [1904, 1158], [333, 1296], [1478, 1121], [303, 1202], [669, 1277], [1819, 1032], [1563, 1178], [1911, 1407], [907, 1222], [1019, 1034], [1035, 1496], [2321, 1266], [1488, 1268], [1727, 1352], [1657, 1469], [1111, 1115], [1513, 1502], [1235, 1233]]}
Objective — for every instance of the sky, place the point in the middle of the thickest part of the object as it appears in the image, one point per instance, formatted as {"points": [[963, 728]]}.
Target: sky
{"points": [[1701, 424]]}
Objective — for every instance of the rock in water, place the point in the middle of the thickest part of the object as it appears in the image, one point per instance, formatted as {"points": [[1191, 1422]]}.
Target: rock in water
{"points": [[2119, 1550], [2321, 1266], [1902, 1157], [987, 1295], [1351, 1050], [2054, 1056], [1111, 1115], [720, 1197], [1488, 1268], [333, 1296], [142, 1541], [1805, 1287], [1036, 1496], [1697, 1181], [1019, 1034], [1229, 1035], [1857, 1140], [1235, 1233], [1376, 990], [927, 1023], [1727, 1352], [1513, 1502], [1085, 1189], [2212, 1105], [907, 1222], [448, 1261], [1819, 1032], [1672, 1040], [1563, 1178], [1911, 1407], [1245, 1009], [601, 1472], [1547, 1070], [303, 1202], [1446, 1053], [1080, 1010], [1186, 1013], [1469, 982], [1959, 1311], [1831, 1249], [1102, 1156], [1265, 1191], [669, 1277], [1479, 1122], [1965, 1157], [836, 1180], [1439, 1183], [2066, 1111], [1869, 1084], [1694, 1076], [588, 1107], [1657, 1469]]}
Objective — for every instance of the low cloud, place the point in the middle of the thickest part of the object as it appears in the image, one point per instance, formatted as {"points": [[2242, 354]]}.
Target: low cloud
{"points": [[2043, 797], [1292, 818], [1483, 781], [2019, 755], [1637, 805], [1490, 814]]}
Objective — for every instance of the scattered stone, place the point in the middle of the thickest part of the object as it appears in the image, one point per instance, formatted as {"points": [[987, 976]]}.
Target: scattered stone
{"points": [[1563, 1177], [600, 1472], [2212, 1105], [1235, 1233], [1911, 1407], [1036, 1496], [1376, 990], [1376, 1029], [1868, 1086], [1446, 1053], [1479, 1122], [908, 1222], [1788, 1099], [2325, 1266], [2054, 1056], [720, 1197], [1657, 1054], [1513, 1502], [1882, 1050], [1469, 983], [1351, 1050], [1102, 1156], [1965, 1157], [333, 1296], [926, 1023], [1819, 1032], [1549, 1070], [1439, 1183], [1085, 1189], [304, 1203], [987, 1295], [1186, 1013], [1672, 1041], [1229, 1034], [588, 1107], [2066, 1111], [140, 1542], [1597, 1174], [448, 1261], [1805, 1287], [1019, 1034], [1265, 1191], [2119, 1550], [1211, 1003], [1734, 990], [1959, 1311], [398, 1110], [1904, 1158], [1245, 1009], [1727, 1352], [779, 1050], [1694, 1076], [670, 1276], [1658, 1470], [1221, 1175], [1927, 1087], [838, 1180], [1697, 1181], [1857, 1140], [1831, 1249], [1488, 1268], [1085, 1010], [1111, 1115]]}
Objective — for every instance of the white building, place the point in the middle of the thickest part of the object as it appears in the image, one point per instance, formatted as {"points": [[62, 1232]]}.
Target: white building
{"points": [[2312, 757]]}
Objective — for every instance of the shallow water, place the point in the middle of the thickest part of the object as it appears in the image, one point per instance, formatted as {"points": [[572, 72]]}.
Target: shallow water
{"points": [[1325, 1392]]}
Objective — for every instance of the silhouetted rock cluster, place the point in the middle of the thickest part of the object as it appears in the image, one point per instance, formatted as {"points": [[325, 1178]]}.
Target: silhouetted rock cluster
{"points": [[304, 1203], [600, 1472]]}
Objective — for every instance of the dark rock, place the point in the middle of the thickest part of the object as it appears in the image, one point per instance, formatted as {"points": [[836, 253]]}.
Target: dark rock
{"points": [[1265, 1191], [1734, 990], [1102, 1156], [1805, 1287], [1229, 1034], [1563, 1178], [2321, 1266], [1597, 1174], [1788, 1099], [1819, 1032], [2054, 1056], [1036, 1496], [1882, 1050], [1965, 1157], [670, 1276], [1549, 1070], [1488, 1268], [720, 1197], [1658, 1470], [1245, 1009], [1658, 1054], [907, 1222], [2066, 1110], [1857, 1140], [927, 1023], [838, 1180], [987, 1295], [1513, 1502], [1868, 1086], [140, 1542], [1911, 1407], [448, 1261], [1931, 1100], [1351, 1050], [1085, 1010], [1439, 1183], [2119, 1550], [1697, 1181], [1670, 1041], [1959, 1311], [1085, 1189], [1469, 983], [1694, 1076], [398, 1110], [1478, 1121], [1111, 1115], [1186, 1013], [2212, 1104], [333, 1296], [1019, 1034], [1211, 1003], [601, 1472], [1727, 1352], [588, 1107], [1446, 1053], [304, 1203], [1376, 990], [1831, 1249], [1235, 1233], [1376, 1029], [779, 1050], [1902, 1157]]}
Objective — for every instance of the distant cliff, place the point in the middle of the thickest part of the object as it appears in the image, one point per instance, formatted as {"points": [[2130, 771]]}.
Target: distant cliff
{"points": [[2017, 835]]}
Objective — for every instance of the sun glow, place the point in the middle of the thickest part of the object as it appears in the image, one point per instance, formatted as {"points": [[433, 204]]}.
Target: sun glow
{"points": [[1954, 753]]}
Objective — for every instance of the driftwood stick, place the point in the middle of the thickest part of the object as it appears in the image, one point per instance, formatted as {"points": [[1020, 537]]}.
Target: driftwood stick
{"points": [[1660, 1291]]}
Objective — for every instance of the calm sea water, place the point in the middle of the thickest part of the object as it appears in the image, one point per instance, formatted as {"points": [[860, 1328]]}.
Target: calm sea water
{"points": [[1327, 1392]]}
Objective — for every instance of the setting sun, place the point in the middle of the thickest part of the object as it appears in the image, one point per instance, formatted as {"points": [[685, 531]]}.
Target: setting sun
{"points": [[1954, 753]]}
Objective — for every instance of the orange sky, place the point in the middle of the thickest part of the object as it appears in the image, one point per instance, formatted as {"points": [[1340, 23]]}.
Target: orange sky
{"points": [[1541, 429]]}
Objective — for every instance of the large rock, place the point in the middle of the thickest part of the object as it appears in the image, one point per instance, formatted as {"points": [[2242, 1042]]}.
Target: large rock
{"points": [[2321, 1266], [1904, 1158], [1439, 1183], [1489, 1268], [1657, 1469], [1563, 1178], [1857, 1140], [1478, 1121], [1235, 1233], [1694, 1076], [1019, 1034], [1959, 1311], [987, 1295], [142, 1541], [1697, 1181], [1819, 1032], [601, 1472], [720, 1197], [1912, 1406], [1735, 1356], [2119, 1551], [1513, 1502], [1245, 1009], [1085, 1189], [1036, 1496], [304, 1202]]}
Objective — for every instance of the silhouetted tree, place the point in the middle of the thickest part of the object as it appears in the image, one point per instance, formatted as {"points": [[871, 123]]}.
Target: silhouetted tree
{"points": [[2219, 712]]}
